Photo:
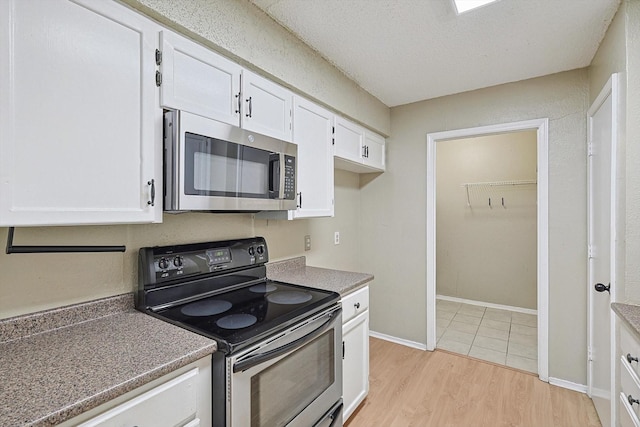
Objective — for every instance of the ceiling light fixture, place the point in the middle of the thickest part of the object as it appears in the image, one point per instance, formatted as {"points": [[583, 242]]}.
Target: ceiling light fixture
{"points": [[467, 5]]}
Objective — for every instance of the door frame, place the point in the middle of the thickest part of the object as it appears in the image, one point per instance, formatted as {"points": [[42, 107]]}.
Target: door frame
{"points": [[610, 89], [541, 126]]}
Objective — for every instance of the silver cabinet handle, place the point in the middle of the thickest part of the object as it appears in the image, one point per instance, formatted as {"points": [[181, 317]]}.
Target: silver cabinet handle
{"points": [[249, 100], [152, 183]]}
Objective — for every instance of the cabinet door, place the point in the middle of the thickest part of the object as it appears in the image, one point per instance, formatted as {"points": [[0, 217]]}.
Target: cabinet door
{"points": [[355, 364], [349, 140], [80, 127], [199, 81], [374, 151], [266, 107], [312, 131]]}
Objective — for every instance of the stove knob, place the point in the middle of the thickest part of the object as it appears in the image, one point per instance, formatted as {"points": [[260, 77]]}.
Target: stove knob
{"points": [[163, 263], [178, 261], [260, 249], [252, 251]]}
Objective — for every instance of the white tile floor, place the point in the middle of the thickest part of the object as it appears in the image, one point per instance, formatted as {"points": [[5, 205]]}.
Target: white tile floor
{"points": [[499, 336]]}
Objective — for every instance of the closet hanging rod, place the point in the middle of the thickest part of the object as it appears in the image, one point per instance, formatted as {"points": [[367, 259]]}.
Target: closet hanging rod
{"points": [[499, 183], [11, 249]]}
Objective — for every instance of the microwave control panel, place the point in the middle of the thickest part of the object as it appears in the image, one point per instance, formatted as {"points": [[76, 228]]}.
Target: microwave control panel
{"points": [[289, 178]]}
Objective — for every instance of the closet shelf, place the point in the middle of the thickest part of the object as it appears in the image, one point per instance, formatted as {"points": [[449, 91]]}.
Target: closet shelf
{"points": [[499, 183], [479, 185]]}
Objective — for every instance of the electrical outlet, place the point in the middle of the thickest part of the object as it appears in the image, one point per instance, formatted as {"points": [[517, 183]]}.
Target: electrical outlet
{"points": [[307, 242], [336, 238]]}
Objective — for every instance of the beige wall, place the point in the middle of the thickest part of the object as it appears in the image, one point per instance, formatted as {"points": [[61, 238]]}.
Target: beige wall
{"points": [[33, 282], [242, 32], [487, 253], [393, 206], [620, 52]]}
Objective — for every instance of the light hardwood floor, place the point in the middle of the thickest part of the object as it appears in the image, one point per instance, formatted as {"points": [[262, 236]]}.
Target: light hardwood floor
{"points": [[410, 387]]}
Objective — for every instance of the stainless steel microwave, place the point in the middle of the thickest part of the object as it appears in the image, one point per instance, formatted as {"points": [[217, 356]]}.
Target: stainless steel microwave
{"points": [[213, 166]]}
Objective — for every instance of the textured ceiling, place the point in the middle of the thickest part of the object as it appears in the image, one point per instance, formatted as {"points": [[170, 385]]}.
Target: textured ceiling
{"points": [[403, 51]]}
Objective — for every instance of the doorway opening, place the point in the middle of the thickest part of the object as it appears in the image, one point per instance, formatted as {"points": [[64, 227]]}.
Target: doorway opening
{"points": [[498, 208], [486, 248]]}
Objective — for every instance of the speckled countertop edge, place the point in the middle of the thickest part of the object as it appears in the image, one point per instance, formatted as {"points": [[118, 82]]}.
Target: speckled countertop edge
{"points": [[48, 320], [53, 375], [630, 314], [297, 272]]}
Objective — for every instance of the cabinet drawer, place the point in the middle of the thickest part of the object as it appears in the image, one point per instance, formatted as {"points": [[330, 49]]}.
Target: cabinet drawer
{"points": [[630, 349], [627, 416], [172, 403], [630, 388], [354, 304]]}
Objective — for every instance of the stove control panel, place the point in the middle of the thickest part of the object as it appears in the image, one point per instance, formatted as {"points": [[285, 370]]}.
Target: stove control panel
{"points": [[170, 263]]}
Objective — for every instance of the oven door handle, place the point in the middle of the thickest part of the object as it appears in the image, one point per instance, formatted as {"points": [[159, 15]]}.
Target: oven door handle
{"points": [[272, 354]]}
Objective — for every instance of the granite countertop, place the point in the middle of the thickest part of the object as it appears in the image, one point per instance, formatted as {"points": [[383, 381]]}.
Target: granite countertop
{"points": [[630, 314], [56, 364], [297, 272]]}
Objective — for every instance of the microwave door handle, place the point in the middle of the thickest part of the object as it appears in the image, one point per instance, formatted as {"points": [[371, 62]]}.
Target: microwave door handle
{"points": [[283, 171], [272, 354]]}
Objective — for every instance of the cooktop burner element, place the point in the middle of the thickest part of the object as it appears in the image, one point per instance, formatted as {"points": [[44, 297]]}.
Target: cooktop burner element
{"points": [[263, 288], [236, 321], [289, 297], [206, 308]]}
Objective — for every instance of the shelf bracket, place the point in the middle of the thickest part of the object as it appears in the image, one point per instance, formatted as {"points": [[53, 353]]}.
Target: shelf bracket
{"points": [[11, 249]]}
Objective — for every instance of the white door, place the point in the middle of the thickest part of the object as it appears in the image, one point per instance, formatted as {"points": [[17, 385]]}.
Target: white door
{"points": [[79, 122], [601, 238], [349, 140], [198, 80], [312, 131], [267, 107]]}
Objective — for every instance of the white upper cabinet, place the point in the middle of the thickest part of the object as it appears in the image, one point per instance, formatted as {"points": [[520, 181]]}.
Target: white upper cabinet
{"points": [[358, 149], [313, 132], [349, 140], [266, 107], [197, 80], [80, 126], [374, 145]]}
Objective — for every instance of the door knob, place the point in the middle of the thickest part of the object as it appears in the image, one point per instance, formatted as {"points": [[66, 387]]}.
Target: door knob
{"points": [[600, 287]]}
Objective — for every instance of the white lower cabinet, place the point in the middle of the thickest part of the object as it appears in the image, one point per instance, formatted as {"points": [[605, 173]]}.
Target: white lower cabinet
{"points": [[355, 346], [182, 398], [628, 379]]}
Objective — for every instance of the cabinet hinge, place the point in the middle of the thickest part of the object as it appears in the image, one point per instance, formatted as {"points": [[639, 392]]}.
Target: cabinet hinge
{"points": [[158, 78], [158, 57], [589, 354], [333, 137], [590, 149], [590, 251]]}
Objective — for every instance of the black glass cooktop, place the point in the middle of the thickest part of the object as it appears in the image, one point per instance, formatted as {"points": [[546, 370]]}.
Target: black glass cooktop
{"points": [[242, 316]]}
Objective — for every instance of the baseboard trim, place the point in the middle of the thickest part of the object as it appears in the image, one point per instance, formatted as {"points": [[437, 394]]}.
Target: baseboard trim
{"points": [[401, 341], [488, 304], [581, 388]]}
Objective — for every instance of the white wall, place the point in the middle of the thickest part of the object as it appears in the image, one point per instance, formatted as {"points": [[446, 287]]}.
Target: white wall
{"points": [[393, 206], [487, 253]]}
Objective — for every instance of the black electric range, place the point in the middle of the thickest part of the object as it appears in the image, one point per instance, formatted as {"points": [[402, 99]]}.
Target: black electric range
{"points": [[220, 290]]}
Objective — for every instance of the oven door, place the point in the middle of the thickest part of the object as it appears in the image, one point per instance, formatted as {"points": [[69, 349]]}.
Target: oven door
{"points": [[214, 166], [292, 380]]}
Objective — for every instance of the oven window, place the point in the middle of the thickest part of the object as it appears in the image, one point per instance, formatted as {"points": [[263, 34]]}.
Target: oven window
{"points": [[283, 390], [220, 168]]}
